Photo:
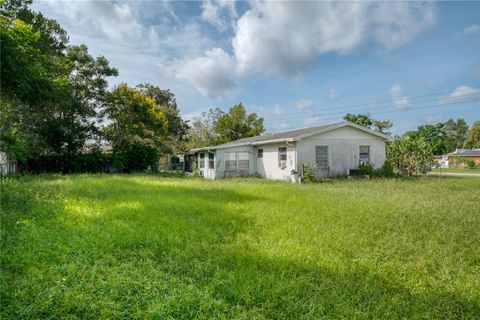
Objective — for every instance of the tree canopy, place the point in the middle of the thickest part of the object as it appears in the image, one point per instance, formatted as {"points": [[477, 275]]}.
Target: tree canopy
{"points": [[382, 126], [443, 137], [215, 126]]}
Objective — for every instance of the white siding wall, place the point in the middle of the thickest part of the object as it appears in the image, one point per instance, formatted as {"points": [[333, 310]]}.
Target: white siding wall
{"points": [[267, 167], [343, 149]]}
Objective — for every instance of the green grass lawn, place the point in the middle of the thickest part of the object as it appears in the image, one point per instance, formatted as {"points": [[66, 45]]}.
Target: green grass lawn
{"points": [[458, 170], [106, 246]]}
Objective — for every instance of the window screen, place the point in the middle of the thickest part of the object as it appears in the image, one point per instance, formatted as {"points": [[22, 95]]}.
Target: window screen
{"points": [[230, 161], [321, 156], [282, 155], [242, 161], [260, 153], [202, 160], [211, 161], [364, 155]]}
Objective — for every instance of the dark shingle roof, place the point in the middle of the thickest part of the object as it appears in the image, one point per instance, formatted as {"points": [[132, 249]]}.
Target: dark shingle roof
{"points": [[465, 152], [281, 136], [277, 136]]}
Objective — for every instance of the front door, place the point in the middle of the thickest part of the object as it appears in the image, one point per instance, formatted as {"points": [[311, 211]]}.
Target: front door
{"points": [[321, 157]]}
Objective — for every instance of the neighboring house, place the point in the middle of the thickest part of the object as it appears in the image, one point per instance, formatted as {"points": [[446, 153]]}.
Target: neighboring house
{"points": [[440, 161], [458, 158], [334, 149], [7, 165]]}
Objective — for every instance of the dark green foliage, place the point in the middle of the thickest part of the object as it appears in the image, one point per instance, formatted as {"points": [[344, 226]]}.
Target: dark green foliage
{"points": [[470, 164], [237, 124], [135, 157], [386, 171], [308, 171], [410, 156], [443, 137], [365, 169], [79, 163], [473, 136]]}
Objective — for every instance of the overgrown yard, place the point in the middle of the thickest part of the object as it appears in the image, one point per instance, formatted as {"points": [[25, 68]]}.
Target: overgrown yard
{"points": [[103, 246]]}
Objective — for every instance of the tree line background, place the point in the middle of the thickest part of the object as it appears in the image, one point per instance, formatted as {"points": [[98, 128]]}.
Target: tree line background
{"points": [[58, 113]]}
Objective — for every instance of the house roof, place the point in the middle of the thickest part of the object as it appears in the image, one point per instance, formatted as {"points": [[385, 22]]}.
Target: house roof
{"points": [[465, 152], [292, 135]]}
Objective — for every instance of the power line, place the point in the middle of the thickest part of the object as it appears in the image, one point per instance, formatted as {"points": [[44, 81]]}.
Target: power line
{"points": [[401, 110], [371, 105], [384, 109]]}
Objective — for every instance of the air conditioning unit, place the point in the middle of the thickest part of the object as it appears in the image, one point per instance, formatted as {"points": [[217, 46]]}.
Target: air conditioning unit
{"points": [[364, 162], [282, 164]]}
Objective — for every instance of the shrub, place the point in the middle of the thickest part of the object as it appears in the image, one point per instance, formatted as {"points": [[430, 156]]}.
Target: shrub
{"points": [[410, 155], [308, 172], [470, 164], [195, 171], [365, 169], [386, 171]]}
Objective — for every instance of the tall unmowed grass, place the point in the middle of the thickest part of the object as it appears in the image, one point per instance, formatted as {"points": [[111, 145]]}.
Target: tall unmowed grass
{"points": [[145, 246]]}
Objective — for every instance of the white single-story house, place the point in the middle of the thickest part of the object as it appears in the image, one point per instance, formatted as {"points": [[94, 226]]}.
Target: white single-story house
{"points": [[333, 149]]}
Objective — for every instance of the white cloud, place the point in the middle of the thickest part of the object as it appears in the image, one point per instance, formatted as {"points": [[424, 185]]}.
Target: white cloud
{"points": [[334, 94], [285, 38], [271, 37], [304, 104], [212, 74], [460, 94], [219, 13], [399, 99], [471, 30]]}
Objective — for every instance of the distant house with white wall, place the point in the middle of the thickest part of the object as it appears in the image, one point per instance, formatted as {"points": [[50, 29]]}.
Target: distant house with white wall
{"points": [[7, 164], [334, 149]]}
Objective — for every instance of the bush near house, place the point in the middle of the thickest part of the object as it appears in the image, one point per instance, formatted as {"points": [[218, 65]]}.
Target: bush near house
{"points": [[410, 156]]}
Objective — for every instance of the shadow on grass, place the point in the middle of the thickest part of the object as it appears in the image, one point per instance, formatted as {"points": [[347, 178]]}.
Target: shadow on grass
{"points": [[145, 248]]}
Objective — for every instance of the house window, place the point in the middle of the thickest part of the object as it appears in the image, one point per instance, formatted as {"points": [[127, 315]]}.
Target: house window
{"points": [[260, 153], [201, 163], [242, 163], [364, 154], [282, 156], [211, 161], [321, 157], [237, 161], [230, 161]]}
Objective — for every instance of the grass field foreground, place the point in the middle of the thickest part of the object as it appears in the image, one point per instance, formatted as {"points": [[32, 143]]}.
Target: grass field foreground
{"points": [[119, 246]]}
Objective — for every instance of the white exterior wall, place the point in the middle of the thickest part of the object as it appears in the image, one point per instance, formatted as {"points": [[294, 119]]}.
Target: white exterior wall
{"points": [[267, 167], [343, 149]]}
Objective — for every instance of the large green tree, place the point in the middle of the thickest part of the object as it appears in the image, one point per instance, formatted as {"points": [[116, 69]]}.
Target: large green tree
{"points": [[473, 136], [202, 129], [177, 127], [237, 124], [50, 91], [137, 129], [443, 137]]}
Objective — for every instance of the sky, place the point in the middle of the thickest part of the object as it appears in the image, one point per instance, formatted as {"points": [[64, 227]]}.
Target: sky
{"points": [[295, 63]]}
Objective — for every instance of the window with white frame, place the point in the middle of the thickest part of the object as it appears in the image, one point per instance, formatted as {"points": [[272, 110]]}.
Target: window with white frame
{"points": [[282, 156], [201, 163], [260, 153], [211, 160], [364, 154], [237, 161]]}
